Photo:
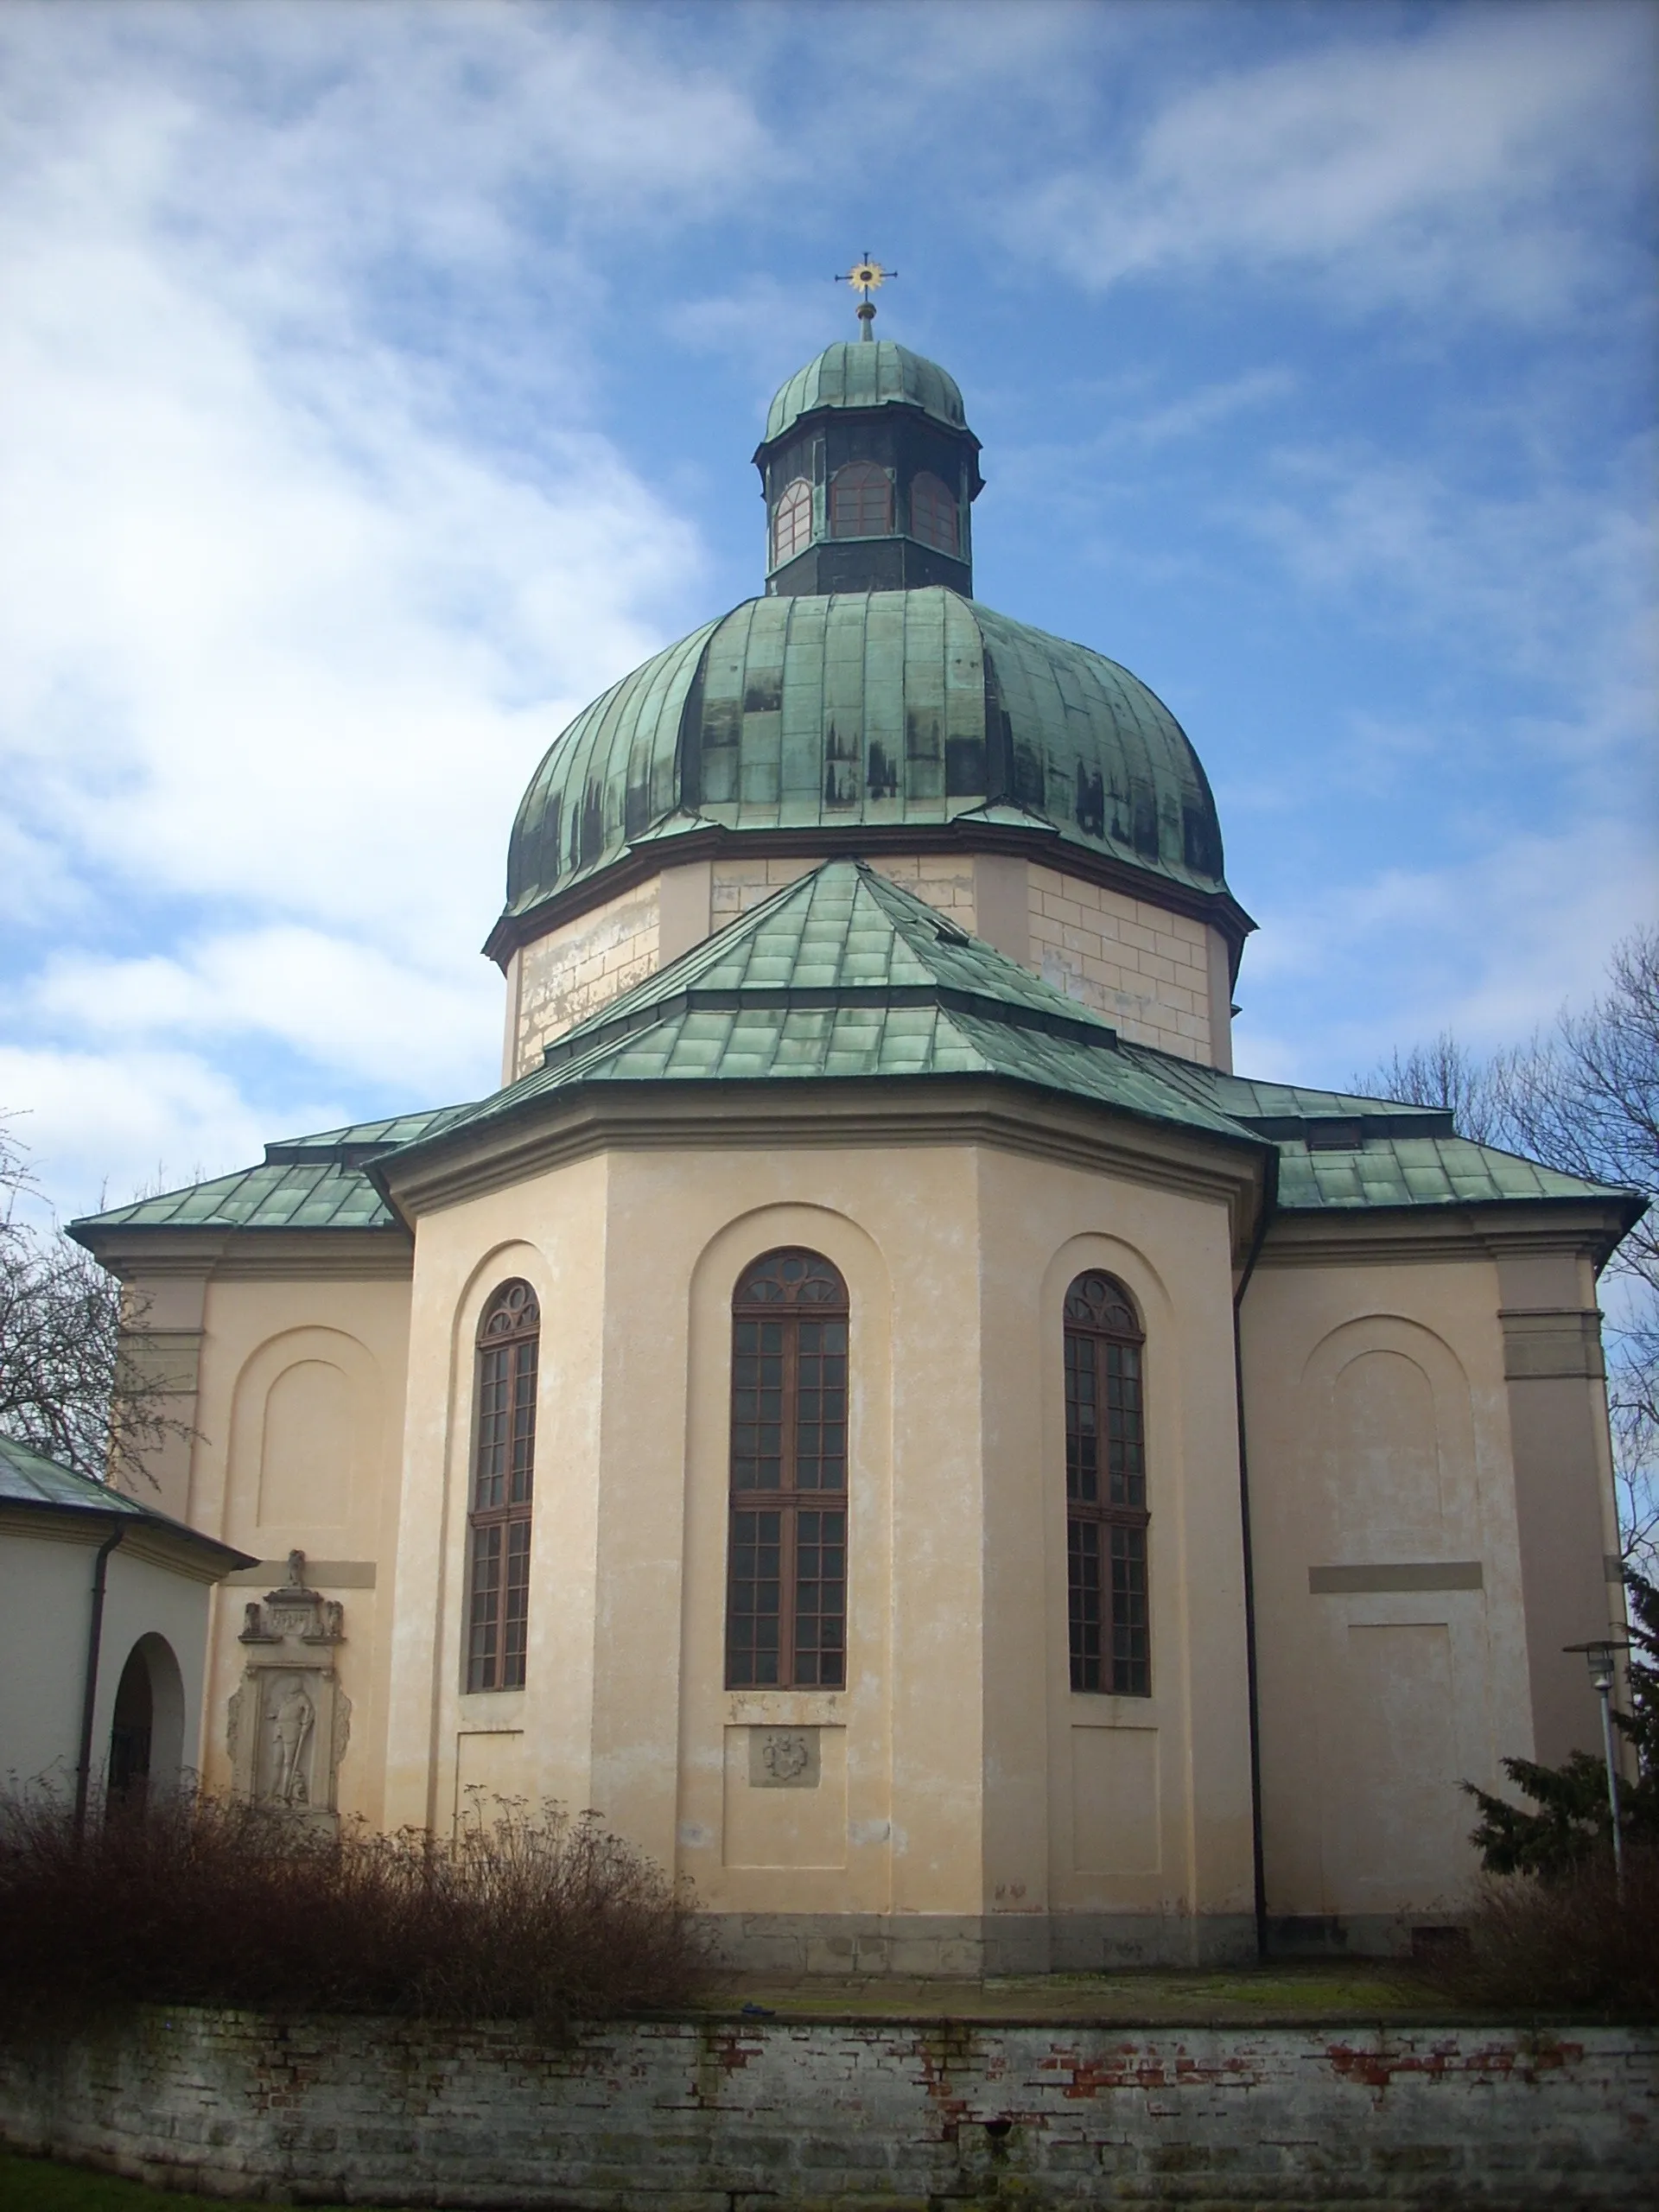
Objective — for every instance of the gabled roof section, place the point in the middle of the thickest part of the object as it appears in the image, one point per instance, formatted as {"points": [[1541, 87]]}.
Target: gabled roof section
{"points": [[845, 974], [311, 1182], [1340, 1151]]}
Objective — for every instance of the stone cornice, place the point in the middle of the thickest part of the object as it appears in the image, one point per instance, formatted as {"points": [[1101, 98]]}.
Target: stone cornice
{"points": [[1391, 1235], [866, 841], [199, 1558], [563, 1128], [222, 1255]]}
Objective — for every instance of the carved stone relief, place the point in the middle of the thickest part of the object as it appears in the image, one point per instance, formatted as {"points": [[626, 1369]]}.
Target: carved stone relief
{"points": [[783, 1758], [289, 1722]]}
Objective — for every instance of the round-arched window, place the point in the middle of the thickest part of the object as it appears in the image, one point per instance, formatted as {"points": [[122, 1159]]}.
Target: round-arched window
{"points": [[861, 501], [786, 1557], [1106, 1516], [933, 513], [792, 522]]}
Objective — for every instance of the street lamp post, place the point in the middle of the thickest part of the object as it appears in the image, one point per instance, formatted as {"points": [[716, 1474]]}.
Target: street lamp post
{"points": [[1599, 1657]]}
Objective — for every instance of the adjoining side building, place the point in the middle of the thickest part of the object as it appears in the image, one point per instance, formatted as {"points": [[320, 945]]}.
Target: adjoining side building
{"points": [[104, 1622], [874, 1404]]}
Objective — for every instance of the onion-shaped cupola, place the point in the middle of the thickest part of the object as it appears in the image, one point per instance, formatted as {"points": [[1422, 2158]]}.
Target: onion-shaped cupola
{"points": [[869, 470], [865, 703]]}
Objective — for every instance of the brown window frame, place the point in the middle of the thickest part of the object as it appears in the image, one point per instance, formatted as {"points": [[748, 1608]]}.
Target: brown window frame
{"points": [[786, 1536], [852, 513], [505, 1371], [793, 510], [931, 500], [1109, 1628]]}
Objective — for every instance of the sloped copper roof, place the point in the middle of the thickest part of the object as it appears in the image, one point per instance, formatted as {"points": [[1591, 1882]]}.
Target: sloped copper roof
{"points": [[868, 710], [878, 374]]}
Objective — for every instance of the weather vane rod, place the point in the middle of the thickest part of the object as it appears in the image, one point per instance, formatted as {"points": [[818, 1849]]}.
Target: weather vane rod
{"points": [[867, 276]]}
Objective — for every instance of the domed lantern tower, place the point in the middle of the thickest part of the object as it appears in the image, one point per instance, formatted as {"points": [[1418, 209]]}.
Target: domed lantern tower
{"points": [[868, 706], [869, 471]]}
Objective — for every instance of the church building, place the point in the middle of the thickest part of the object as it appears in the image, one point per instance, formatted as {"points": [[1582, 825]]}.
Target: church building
{"points": [[874, 1404]]}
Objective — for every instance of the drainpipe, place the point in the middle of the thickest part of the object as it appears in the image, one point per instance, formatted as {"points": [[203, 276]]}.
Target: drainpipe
{"points": [[1257, 1849], [94, 1637]]}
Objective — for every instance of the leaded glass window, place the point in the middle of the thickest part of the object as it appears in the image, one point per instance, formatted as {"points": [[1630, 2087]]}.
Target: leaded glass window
{"points": [[786, 1561], [792, 522], [504, 1473], [933, 513], [1106, 1489], [861, 501]]}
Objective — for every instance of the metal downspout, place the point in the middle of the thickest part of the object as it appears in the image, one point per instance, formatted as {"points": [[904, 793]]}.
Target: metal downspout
{"points": [[1257, 1849], [94, 1639]]}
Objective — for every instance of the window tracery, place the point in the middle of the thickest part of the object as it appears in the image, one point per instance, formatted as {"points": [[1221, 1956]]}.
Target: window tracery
{"points": [[503, 1471]]}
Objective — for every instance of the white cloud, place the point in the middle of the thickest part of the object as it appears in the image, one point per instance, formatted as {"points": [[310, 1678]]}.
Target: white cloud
{"points": [[347, 1006], [1491, 948], [100, 1128], [1547, 580], [1440, 166], [288, 613]]}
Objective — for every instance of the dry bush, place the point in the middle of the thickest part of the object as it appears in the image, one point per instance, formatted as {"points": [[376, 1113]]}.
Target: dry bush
{"points": [[542, 1918], [1563, 1943]]}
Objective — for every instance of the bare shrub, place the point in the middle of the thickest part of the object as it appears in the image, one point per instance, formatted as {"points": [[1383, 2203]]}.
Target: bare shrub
{"points": [[1561, 1943], [544, 1918]]}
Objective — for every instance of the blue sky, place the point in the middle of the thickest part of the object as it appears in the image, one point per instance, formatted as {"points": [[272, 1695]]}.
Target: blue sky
{"points": [[381, 382]]}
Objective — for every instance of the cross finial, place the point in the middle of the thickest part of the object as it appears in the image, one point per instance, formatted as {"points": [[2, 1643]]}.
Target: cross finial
{"points": [[867, 276]]}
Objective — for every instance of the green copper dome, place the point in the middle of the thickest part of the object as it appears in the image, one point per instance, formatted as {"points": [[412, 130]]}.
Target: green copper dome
{"points": [[875, 374], [845, 715]]}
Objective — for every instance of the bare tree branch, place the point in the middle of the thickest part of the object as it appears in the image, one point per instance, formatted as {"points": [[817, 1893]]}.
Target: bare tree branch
{"points": [[73, 1385], [1584, 1100]]}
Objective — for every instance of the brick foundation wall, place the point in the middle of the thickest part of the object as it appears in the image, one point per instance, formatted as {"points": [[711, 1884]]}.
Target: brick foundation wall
{"points": [[724, 2115]]}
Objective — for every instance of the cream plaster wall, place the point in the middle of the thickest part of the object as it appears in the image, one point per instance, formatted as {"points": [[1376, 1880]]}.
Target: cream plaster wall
{"points": [[1161, 978], [45, 1581], [300, 1415], [951, 1761], [1379, 1440]]}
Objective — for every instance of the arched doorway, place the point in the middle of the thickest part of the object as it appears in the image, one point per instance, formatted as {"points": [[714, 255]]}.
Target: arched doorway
{"points": [[147, 1728]]}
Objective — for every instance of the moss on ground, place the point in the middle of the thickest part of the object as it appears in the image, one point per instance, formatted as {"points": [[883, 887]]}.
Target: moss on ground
{"points": [[43, 2185]]}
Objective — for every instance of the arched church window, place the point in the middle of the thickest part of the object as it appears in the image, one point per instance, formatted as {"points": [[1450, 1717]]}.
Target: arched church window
{"points": [[933, 513], [503, 1471], [861, 501], [792, 522], [1106, 1489], [786, 1556]]}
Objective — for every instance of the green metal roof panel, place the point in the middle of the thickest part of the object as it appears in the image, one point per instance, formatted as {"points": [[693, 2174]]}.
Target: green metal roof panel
{"points": [[277, 1195], [310, 1182], [1395, 1171], [846, 974], [866, 374], [29, 1478], [880, 708]]}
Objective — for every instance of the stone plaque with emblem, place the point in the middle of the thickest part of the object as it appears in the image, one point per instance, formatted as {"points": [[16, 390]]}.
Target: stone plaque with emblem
{"points": [[783, 1758]]}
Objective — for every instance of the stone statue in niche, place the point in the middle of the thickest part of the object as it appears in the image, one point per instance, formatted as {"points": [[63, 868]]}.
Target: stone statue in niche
{"points": [[295, 1719], [289, 1722], [783, 1758]]}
